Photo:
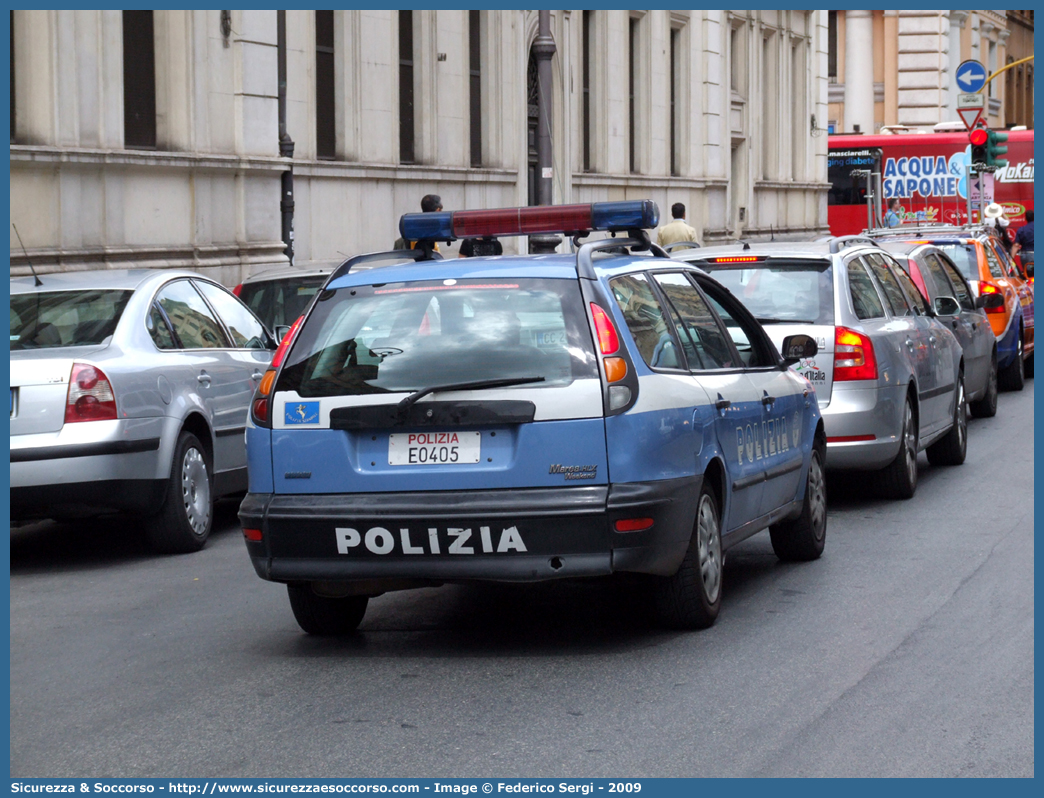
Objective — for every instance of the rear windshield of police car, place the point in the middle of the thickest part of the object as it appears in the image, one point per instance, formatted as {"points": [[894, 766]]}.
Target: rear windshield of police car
{"points": [[407, 336], [781, 291]]}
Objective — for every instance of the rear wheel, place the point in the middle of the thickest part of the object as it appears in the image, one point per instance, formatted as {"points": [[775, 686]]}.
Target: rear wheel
{"points": [[324, 616], [1013, 377], [1027, 367], [899, 479], [804, 537], [183, 522], [692, 597], [953, 447], [987, 406]]}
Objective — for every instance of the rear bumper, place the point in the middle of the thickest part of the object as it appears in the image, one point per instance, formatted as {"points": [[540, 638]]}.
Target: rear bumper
{"points": [[81, 498], [501, 535], [862, 424]]}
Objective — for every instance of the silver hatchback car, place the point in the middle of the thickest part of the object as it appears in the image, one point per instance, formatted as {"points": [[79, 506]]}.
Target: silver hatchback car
{"points": [[129, 392], [889, 376]]}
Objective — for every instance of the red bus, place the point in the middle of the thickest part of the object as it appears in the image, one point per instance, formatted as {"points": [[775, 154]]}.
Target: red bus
{"points": [[927, 172]]}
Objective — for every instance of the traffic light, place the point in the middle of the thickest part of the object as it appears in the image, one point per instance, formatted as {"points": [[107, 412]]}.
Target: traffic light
{"points": [[994, 140], [978, 138]]}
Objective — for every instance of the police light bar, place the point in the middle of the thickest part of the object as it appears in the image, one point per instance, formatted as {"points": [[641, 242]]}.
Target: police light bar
{"points": [[565, 219]]}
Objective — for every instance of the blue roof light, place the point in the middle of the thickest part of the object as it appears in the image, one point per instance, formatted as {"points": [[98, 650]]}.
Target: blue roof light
{"points": [[627, 215]]}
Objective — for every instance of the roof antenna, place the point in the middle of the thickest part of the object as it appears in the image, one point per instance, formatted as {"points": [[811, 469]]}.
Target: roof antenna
{"points": [[746, 245], [35, 276]]}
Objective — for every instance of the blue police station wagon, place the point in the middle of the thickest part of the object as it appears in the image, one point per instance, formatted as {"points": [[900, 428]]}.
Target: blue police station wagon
{"points": [[523, 418]]}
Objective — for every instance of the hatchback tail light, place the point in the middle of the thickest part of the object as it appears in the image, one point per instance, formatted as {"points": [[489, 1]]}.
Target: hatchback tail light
{"points": [[608, 340], [985, 289], [854, 357], [90, 396], [261, 405]]}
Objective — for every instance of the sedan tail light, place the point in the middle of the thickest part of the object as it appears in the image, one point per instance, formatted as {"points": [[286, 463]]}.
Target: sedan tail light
{"points": [[854, 357], [985, 289], [90, 396], [237, 289]]}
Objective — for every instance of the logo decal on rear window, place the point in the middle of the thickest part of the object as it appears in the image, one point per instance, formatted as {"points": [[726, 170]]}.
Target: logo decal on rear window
{"points": [[301, 413]]}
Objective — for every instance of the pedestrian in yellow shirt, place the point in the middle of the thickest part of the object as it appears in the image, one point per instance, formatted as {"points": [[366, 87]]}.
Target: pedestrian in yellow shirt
{"points": [[678, 230]]}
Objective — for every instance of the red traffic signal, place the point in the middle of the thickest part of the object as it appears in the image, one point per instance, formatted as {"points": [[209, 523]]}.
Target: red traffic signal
{"points": [[978, 136]]}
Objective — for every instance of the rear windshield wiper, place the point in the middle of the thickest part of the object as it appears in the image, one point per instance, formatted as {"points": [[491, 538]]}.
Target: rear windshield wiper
{"points": [[784, 321], [465, 386]]}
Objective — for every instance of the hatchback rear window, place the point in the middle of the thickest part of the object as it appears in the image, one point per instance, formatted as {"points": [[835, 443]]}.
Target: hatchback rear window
{"points": [[65, 318], [398, 337], [281, 302], [781, 292], [963, 255]]}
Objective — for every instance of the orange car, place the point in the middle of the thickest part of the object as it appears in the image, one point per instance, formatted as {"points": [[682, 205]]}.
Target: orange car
{"points": [[979, 258]]}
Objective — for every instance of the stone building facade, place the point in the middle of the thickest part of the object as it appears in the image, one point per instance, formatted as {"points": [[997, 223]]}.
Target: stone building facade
{"points": [[898, 67], [152, 138]]}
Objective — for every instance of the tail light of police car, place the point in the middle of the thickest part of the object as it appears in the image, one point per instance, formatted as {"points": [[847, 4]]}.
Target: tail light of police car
{"points": [[854, 357], [90, 396], [985, 289], [253, 535], [608, 340], [260, 407], [633, 524]]}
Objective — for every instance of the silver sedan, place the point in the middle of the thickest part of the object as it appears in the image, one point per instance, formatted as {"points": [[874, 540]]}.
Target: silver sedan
{"points": [[129, 392], [889, 376]]}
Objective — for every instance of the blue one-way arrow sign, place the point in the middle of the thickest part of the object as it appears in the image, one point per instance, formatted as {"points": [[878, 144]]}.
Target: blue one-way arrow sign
{"points": [[971, 77]]}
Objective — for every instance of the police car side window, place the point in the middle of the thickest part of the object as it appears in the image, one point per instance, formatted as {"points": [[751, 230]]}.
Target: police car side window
{"points": [[865, 301], [649, 325], [750, 341], [892, 291], [960, 288], [702, 338]]}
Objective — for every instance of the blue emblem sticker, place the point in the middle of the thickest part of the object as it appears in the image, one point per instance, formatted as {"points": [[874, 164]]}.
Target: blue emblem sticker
{"points": [[301, 413]]}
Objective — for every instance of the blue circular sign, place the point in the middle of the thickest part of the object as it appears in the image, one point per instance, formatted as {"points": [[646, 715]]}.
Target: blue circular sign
{"points": [[971, 77]]}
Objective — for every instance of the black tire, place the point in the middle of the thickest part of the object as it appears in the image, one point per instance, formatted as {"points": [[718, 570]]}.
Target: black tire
{"points": [[1013, 377], [952, 448], [324, 616], [803, 538], [186, 516], [1027, 366], [899, 479], [986, 407], [692, 597]]}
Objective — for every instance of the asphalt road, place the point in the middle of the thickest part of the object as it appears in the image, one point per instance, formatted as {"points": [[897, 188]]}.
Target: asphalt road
{"points": [[907, 650]]}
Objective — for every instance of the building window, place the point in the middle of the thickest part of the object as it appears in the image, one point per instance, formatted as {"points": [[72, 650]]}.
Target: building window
{"points": [[738, 60], [588, 21], [631, 81], [325, 125], [139, 80], [475, 98], [832, 46], [406, 135], [676, 50]]}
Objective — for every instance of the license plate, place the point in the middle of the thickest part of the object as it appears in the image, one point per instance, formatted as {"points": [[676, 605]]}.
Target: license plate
{"points": [[552, 338], [434, 448]]}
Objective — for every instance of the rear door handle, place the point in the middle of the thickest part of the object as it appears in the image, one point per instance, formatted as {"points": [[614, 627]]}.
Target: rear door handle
{"points": [[722, 403], [909, 344], [767, 400], [932, 339], [256, 375], [203, 378]]}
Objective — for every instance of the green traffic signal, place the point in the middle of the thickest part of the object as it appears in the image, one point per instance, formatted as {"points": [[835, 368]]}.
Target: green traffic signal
{"points": [[994, 149]]}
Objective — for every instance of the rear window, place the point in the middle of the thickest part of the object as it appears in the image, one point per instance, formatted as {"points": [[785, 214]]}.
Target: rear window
{"points": [[397, 337], [963, 256], [65, 318], [781, 292], [281, 302]]}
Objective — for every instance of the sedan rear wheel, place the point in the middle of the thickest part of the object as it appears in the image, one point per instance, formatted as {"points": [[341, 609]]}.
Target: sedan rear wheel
{"points": [[184, 521], [692, 597], [987, 406], [1013, 378], [953, 447], [899, 479]]}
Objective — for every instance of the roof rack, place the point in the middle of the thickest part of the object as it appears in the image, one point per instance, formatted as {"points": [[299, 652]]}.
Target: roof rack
{"points": [[421, 253], [637, 241], [839, 243], [912, 229]]}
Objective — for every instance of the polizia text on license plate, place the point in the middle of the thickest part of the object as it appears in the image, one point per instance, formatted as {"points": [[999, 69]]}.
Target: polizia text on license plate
{"points": [[434, 448]]}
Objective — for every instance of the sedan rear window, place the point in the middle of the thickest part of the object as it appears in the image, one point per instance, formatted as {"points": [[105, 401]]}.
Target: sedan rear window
{"points": [[281, 302], [781, 292], [963, 255], [65, 318], [399, 337]]}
